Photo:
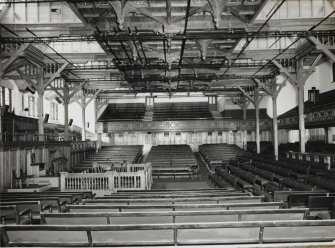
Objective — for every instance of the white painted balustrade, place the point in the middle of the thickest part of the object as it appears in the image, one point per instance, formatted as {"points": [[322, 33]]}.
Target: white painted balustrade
{"points": [[132, 177]]}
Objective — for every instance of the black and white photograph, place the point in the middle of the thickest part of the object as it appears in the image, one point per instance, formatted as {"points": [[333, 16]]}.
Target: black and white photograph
{"points": [[165, 123]]}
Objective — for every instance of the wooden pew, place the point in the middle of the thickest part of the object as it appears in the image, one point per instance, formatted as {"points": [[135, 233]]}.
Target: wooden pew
{"points": [[169, 234], [51, 203], [330, 175], [277, 170], [320, 202], [11, 215], [176, 191], [297, 185], [174, 196], [47, 203], [33, 208], [245, 179], [190, 193], [301, 199], [226, 176], [173, 207], [321, 182], [283, 195], [172, 216], [314, 168], [68, 198], [174, 172], [223, 199], [262, 173], [217, 181], [77, 195]]}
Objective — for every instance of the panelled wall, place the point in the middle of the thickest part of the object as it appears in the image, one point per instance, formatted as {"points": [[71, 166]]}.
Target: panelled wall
{"points": [[57, 156], [18, 158]]}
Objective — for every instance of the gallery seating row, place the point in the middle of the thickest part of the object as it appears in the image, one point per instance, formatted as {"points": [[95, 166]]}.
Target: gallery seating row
{"points": [[173, 161], [112, 155], [218, 154], [123, 112], [181, 111]]}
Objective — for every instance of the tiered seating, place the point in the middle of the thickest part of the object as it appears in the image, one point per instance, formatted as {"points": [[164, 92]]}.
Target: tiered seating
{"points": [[312, 167], [278, 180], [112, 154], [173, 161], [182, 111], [123, 112], [173, 218], [218, 154], [238, 114]]}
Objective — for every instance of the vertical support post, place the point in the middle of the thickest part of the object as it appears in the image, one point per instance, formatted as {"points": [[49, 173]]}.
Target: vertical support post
{"points": [[40, 91], [40, 115], [83, 117], [1, 138], [302, 135], [66, 113], [98, 145], [329, 135], [275, 126], [63, 175], [257, 102], [244, 132]]}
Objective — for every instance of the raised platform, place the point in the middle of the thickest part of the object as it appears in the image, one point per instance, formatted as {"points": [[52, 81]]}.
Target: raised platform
{"points": [[31, 188], [53, 181]]}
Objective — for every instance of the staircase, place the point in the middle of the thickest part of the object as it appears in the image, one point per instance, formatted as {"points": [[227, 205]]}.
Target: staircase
{"points": [[216, 115], [148, 116]]}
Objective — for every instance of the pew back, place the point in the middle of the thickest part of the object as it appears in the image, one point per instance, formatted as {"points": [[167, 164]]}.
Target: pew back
{"points": [[163, 201], [173, 207], [169, 234], [172, 216]]}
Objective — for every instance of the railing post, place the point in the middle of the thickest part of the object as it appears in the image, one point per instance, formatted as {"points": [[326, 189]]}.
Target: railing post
{"points": [[143, 181], [111, 181], [63, 176]]}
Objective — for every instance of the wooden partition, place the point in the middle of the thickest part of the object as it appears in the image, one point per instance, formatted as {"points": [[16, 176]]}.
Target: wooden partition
{"points": [[134, 177]]}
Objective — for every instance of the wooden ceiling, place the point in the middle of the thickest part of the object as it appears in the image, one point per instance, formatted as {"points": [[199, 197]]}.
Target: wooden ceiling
{"points": [[182, 45]]}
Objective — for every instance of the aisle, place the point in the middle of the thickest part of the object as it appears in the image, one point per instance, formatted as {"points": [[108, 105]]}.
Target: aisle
{"points": [[203, 170]]}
